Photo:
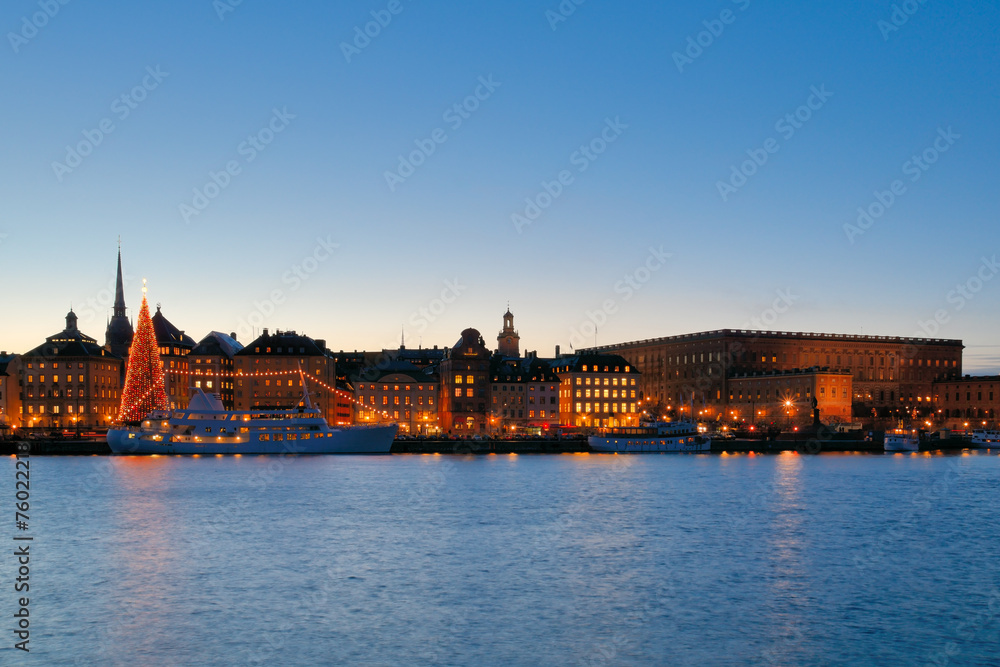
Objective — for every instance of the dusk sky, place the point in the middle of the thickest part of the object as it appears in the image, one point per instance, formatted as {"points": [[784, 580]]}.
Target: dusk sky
{"points": [[654, 168]]}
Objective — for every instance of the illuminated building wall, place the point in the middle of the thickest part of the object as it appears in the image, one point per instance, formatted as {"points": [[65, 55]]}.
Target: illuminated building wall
{"points": [[69, 380], [597, 390], [888, 372], [465, 386], [267, 373]]}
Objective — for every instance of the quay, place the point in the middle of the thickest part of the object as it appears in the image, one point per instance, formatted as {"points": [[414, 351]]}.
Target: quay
{"points": [[802, 445]]}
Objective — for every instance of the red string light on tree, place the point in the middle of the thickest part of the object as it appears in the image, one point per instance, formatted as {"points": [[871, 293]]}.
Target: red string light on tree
{"points": [[143, 391]]}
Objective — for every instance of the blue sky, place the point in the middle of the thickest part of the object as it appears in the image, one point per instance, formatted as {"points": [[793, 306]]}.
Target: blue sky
{"points": [[309, 235]]}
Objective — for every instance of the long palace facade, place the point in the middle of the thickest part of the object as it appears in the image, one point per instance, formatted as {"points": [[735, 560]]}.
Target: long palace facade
{"points": [[714, 370]]}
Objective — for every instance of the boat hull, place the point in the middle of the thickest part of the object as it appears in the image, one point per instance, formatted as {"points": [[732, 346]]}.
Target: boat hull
{"points": [[638, 445], [351, 440]]}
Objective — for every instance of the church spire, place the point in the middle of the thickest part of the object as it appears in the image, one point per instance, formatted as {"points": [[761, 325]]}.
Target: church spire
{"points": [[119, 310]]}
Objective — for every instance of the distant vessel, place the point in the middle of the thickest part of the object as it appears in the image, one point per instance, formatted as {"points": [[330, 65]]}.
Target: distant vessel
{"points": [[986, 438], [206, 427], [901, 440], [680, 436]]}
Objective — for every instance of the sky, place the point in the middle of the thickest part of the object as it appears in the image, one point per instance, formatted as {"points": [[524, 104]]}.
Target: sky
{"points": [[364, 172]]}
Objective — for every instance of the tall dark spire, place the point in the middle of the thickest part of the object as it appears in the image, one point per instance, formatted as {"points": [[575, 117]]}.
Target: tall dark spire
{"points": [[119, 288], [118, 337]]}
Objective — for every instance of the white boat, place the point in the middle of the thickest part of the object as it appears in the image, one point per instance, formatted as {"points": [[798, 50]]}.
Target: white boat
{"points": [[902, 440], [986, 438], [679, 436], [206, 427]]}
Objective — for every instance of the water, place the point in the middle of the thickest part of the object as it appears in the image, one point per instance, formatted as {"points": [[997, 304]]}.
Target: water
{"points": [[510, 560]]}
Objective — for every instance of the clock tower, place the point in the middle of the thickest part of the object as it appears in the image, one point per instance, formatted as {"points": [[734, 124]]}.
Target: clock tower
{"points": [[508, 342]]}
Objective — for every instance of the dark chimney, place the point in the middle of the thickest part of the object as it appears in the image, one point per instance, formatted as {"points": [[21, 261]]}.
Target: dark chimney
{"points": [[557, 351]]}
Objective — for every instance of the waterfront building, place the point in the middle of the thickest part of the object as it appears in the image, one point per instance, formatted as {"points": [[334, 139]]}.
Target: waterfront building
{"points": [[465, 386], [118, 335], [524, 395], [401, 392], [969, 400], [69, 380], [10, 392], [597, 390], [785, 398], [889, 373], [211, 364], [175, 347], [267, 373]]}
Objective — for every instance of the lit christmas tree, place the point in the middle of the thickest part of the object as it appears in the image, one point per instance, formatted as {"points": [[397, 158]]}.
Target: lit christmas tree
{"points": [[143, 390]]}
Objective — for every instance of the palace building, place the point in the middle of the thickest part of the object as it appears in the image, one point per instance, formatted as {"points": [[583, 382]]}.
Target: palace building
{"points": [[968, 400], [888, 372]]}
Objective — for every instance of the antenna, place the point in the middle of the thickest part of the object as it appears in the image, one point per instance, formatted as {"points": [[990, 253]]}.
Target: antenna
{"points": [[305, 389]]}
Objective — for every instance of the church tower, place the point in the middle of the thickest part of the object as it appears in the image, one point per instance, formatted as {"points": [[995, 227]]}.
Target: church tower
{"points": [[118, 336], [508, 342]]}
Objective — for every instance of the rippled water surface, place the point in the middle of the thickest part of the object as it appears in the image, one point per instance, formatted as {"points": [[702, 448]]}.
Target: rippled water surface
{"points": [[510, 560]]}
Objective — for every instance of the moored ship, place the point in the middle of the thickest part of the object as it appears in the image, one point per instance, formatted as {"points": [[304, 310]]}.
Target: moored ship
{"points": [[901, 440], [206, 427], [983, 438], [679, 436]]}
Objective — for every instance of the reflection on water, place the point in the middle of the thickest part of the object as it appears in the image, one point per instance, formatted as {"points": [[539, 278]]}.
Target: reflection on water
{"points": [[574, 559]]}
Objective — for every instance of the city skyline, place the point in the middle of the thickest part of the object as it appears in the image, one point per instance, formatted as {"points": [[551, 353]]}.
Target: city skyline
{"points": [[665, 161]]}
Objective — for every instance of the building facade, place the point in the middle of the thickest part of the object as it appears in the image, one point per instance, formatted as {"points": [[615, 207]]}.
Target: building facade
{"points": [[175, 347], [402, 393], [267, 373], [788, 398], [10, 393], [969, 401], [597, 390], [524, 396], [465, 386], [212, 365], [69, 381], [888, 373]]}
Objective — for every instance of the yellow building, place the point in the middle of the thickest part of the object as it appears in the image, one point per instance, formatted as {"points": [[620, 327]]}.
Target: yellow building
{"points": [[267, 373], [597, 390], [69, 381]]}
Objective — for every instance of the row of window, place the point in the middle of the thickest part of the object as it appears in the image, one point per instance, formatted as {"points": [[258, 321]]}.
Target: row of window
{"points": [[608, 382], [968, 396], [611, 408], [597, 393]]}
